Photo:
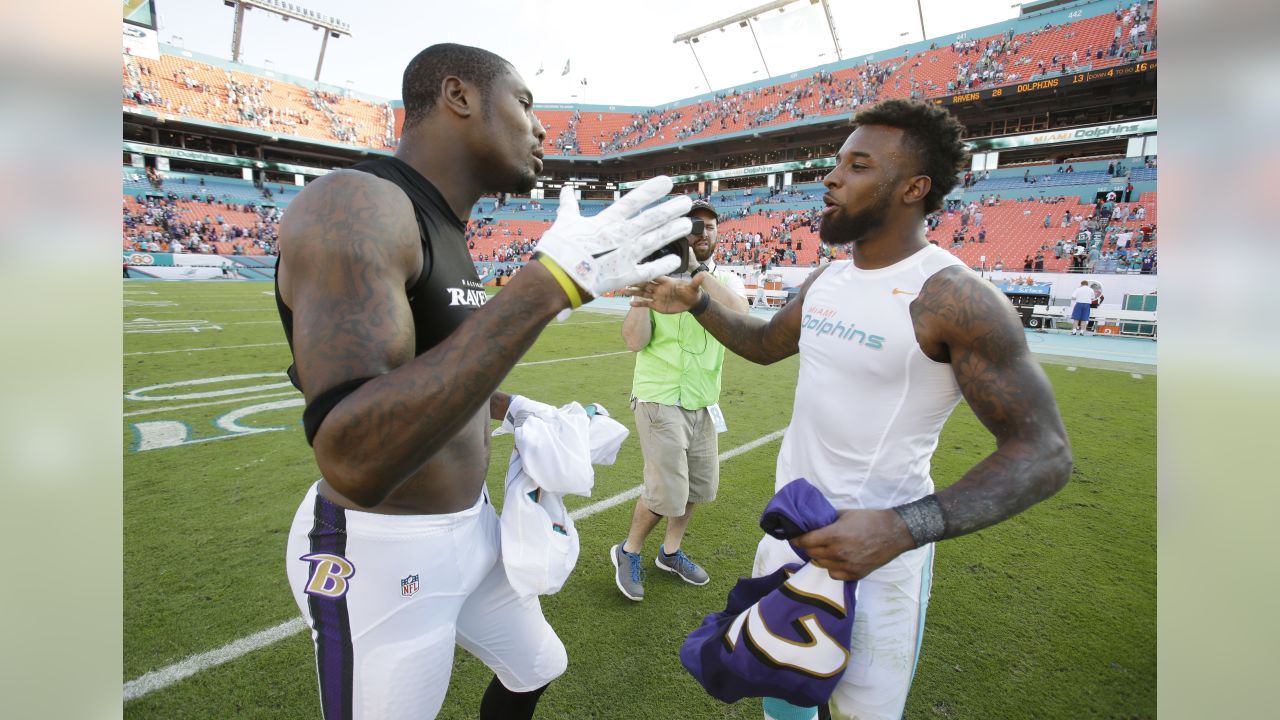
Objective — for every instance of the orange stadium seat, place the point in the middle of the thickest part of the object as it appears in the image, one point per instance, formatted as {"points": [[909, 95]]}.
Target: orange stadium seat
{"points": [[930, 71], [189, 88]]}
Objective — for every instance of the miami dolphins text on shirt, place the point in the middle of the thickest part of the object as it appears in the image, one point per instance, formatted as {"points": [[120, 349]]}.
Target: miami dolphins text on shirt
{"points": [[838, 329]]}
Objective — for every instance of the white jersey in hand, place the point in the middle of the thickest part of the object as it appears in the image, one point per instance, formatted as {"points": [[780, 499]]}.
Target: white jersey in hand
{"points": [[553, 453]]}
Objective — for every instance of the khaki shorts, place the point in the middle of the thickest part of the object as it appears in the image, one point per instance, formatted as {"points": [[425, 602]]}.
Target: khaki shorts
{"points": [[680, 456]]}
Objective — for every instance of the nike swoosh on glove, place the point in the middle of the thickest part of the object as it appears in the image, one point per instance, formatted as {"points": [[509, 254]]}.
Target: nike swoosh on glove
{"points": [[602, 253]]}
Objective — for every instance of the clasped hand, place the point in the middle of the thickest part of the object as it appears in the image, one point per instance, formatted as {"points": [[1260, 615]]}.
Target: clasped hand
{"points": [[666, 294], [857, 543], [603, 252]]}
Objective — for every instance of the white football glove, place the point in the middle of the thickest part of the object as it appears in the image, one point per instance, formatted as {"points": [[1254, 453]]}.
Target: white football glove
{"points": [[602, 253]]}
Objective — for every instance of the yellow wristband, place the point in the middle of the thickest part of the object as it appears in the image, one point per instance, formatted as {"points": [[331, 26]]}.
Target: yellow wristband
{"points": [[569, 287]]}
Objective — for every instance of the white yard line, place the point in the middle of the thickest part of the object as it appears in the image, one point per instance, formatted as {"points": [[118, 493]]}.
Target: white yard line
{"points": [[246, 398], [215, 312], [265, 322], [633, 493], [166, 676], [241, 399], [580, 357], [203, 349]]}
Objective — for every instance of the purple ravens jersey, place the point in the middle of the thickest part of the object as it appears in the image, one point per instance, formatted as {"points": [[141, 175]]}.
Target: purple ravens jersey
{"points": [[784, 635]]}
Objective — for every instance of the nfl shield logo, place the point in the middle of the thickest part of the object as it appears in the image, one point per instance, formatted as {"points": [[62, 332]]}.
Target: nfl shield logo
{"points": [[409, 585]]}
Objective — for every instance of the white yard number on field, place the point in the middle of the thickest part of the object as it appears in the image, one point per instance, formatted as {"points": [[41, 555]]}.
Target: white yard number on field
{"points": [[159, 434]]}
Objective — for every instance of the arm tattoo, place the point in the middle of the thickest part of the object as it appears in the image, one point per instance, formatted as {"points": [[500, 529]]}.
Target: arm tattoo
{"points": [[753, 338], [1006, 390], [758, 340]]}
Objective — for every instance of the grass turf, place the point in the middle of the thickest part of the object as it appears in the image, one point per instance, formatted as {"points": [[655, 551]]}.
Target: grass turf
{"points": [[1049, 615]]}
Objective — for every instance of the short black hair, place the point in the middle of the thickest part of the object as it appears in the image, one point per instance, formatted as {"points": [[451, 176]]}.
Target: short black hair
{"points": [[932, 132], [426, 72]]}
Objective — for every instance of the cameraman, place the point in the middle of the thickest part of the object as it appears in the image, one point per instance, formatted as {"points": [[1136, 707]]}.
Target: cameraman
{"points": [[674, 394]]}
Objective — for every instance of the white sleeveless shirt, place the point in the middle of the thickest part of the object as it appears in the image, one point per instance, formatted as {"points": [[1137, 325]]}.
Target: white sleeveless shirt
{"points": [[869, 403]]}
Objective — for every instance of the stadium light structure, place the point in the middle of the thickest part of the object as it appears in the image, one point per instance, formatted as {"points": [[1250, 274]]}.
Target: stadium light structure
{"points": [[743, 19], [329, 25]]}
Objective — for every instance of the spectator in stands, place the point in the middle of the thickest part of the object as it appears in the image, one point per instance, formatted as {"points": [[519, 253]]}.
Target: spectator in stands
{"points": [[1038, 266], [1047, 221], [1028, 263], [1108, 207], [1128, 192]]}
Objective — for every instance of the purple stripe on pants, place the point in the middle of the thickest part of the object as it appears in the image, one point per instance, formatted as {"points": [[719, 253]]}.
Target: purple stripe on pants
{"points": [[332, 624]]}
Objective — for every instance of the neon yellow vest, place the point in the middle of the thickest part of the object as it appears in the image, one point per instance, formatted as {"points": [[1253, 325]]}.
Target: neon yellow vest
{"points": [[681, 364]]}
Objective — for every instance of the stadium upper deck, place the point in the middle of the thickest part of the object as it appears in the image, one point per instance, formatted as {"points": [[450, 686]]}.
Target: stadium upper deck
{"points": [[1072, 40]]}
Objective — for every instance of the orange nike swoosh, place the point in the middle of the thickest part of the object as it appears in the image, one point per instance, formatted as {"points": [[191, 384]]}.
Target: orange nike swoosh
{"points": [[896, 291]]}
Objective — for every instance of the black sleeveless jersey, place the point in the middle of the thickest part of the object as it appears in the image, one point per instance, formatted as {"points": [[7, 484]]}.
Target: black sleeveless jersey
{"points": [[448, 289]]}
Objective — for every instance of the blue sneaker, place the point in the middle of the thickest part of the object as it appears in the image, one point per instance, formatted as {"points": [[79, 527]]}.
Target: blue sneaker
{"points": [[680, 564], [627, 572]]}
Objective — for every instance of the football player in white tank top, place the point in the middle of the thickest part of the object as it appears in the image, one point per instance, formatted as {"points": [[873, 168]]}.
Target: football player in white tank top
{"points": [[889, 341]]}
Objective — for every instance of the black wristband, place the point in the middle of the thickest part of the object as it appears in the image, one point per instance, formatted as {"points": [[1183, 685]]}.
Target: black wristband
{"points": [[924, 519], [703, 302]]}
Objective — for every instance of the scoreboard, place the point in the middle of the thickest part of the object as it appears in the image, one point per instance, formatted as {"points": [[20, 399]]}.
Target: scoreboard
{"points": [[1033, 87]]}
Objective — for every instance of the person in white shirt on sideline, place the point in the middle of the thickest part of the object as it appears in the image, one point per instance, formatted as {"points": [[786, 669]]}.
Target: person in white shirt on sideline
{"points": [[1082, 300]]}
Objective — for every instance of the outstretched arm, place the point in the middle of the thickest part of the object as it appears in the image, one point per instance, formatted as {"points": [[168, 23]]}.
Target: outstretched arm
{"points": [[350, 246], [967, 322], [756, 339]]}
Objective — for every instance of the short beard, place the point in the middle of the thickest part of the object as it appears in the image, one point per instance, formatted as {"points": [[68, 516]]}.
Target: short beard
{"points": [[842, 229], [711, 250]]}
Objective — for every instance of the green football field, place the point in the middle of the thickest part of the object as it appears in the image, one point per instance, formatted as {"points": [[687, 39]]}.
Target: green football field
{"points": [[1049, 615]]}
